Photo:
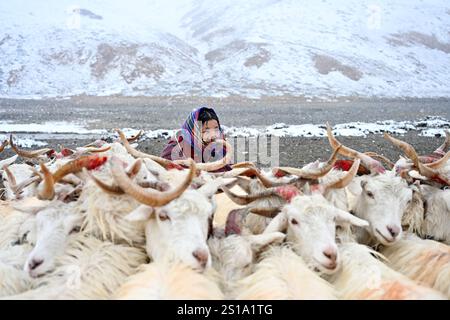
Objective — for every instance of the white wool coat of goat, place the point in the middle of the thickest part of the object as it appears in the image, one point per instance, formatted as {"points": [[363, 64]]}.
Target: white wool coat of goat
{"points": [[89, 269], [170, 281], [362, 276], [424, 261], [281, 275]]}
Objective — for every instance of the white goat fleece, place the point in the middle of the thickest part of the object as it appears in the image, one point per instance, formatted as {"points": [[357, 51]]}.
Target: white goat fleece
{"points": [[424, 261], [362, 276], [14, 223], [13, 280], [21, 172], [437, 215], [225, 205], [282, 274], [104, 215], [89, 269], [234, 256], [170, 281]]}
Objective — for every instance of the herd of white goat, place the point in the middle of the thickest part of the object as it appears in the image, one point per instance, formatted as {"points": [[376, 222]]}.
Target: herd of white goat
{"points": [[106, 221]]}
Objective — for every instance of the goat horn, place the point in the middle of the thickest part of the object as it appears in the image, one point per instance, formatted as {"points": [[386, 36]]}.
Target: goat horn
{"points": [[114, 190], [379, 157], [439, 163], [149, 197], [138, 154], [74, 166], [412, 154], [111, 189], [11, 179], [373, 165], [313, 174], [345, 180], [97, 150], [25, 153], [134, 138], [443, 147], [47, 192], [3, 145], [246, 199], [245, 164], [212, 166]]}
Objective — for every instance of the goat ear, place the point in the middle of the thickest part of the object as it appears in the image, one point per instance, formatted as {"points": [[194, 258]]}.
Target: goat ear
{"points": [[363, 184], [210, 188], [141, 213], [346, 217], [278, 224], [259, 241]]}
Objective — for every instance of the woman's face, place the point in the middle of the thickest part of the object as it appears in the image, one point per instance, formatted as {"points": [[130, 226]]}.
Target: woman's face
{"points": [[210, 131]]}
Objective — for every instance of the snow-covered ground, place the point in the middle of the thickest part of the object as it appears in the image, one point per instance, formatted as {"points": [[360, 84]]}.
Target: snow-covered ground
{"points": [[429, 126], [253, 48]]}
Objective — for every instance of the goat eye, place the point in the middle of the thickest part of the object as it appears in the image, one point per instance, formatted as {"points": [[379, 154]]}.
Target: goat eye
{"points": [[370, 194], [293, 221], [163, 216], [75, 229]]}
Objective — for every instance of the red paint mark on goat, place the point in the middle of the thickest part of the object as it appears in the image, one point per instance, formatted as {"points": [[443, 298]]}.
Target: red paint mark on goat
{"points": [[172, 165], [287, 192], [93, 162], [66, 152], [343, 165], [278, 173]]}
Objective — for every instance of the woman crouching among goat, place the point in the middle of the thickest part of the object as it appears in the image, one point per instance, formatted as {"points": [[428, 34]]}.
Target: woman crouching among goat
{"points": [[197, 140]]}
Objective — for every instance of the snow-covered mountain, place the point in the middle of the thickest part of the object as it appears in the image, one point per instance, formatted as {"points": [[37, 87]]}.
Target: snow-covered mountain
{"points": [[57, 48]]}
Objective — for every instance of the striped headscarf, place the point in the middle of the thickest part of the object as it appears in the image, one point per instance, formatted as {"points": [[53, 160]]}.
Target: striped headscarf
{"points": [[191, 135]]}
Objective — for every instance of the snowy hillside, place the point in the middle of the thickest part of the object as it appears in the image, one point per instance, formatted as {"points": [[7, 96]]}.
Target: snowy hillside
{"points": [[221, 48]]}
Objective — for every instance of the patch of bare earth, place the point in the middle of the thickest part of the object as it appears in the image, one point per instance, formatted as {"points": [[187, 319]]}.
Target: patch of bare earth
{"points": [[258, 58], [14, 76], [326, 64], [126, 59], [413, 37]]}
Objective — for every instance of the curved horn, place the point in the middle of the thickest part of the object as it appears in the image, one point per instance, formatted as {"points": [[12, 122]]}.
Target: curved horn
{"points": [[11, 179], [412, 154], [134, 138], [3, 145], [134, 169], [25, 153], [148, 197], [97, 150], [439, 163], [345, 180], [47, 189], [245, 164], [246, 199], [74, 166], [373, 165], [443, 147], [313, 174], [216, 165], [379, 157], [113, 190], [138, 154]]}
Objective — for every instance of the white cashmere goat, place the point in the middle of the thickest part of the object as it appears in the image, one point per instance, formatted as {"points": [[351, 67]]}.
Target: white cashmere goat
{"points": [[310, 224], [362, 276], [89, 269], [282, 274], [169, 280], [424, 261]]}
